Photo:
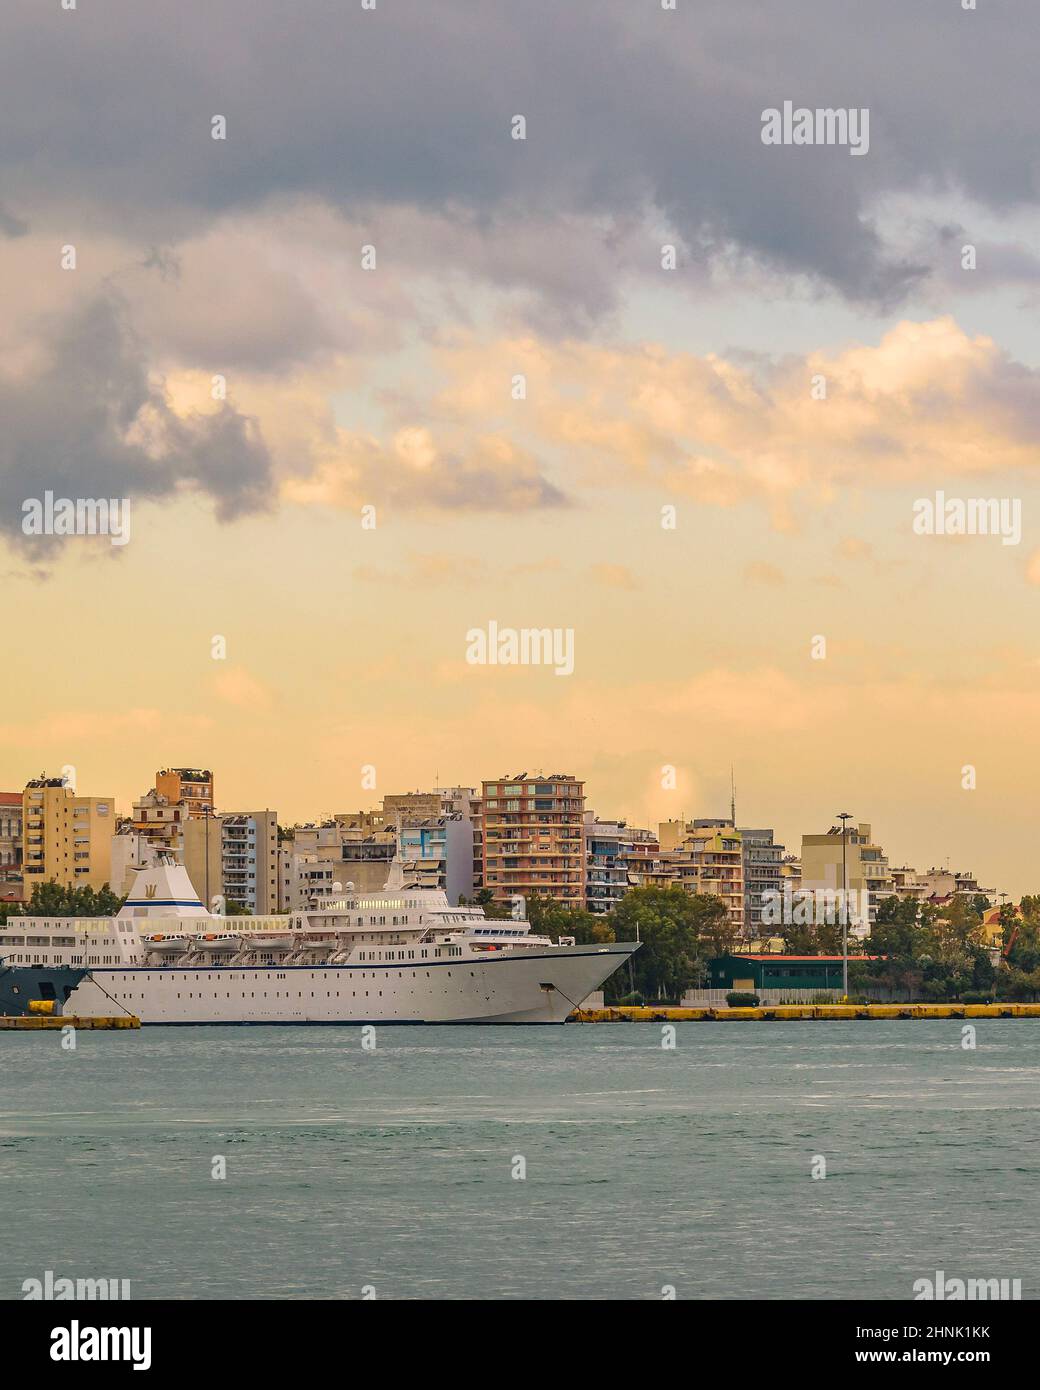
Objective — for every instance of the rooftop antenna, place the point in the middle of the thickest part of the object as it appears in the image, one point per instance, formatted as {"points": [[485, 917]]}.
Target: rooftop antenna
{"points": [[732, 798]]}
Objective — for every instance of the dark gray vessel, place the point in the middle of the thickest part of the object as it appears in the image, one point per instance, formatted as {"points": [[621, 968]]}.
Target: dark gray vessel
{"points": [[20, 983]]}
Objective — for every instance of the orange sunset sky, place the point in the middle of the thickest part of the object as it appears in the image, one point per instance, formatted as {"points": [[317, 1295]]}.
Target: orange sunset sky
{"points": [[392, 388]]}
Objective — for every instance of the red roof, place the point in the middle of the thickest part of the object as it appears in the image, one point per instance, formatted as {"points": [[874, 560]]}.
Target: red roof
{"points": [[778, 955], [10, 798]]}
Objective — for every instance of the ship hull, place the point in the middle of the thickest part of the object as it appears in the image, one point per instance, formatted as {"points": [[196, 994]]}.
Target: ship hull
{"points": [[21, 983], [507, 987]]}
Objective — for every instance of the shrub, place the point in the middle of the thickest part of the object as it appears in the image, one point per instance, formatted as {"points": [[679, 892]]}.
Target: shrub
{"points": [[742, 1001]]}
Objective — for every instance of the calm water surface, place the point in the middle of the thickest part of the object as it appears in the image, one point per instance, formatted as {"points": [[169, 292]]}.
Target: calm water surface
{"points": [[645, 1167]]}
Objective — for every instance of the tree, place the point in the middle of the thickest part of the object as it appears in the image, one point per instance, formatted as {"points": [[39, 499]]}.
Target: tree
{"points": [[1021, 934], [812, 938], [957, 929], [486, 899], [677, 930], [55, 900], [902, 942], [928, 952], [549, 918]]}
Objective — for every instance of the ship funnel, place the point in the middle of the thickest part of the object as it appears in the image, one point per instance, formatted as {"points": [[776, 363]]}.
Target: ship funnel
{"points": [[162, 890]]}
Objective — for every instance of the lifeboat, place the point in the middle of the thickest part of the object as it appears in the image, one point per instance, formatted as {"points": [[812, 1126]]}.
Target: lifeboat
{"points": [[167, 945], [220, 943]]}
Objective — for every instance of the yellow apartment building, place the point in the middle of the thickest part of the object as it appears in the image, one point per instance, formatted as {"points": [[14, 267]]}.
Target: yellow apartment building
{"points": [[68, 838], [866, 864]]}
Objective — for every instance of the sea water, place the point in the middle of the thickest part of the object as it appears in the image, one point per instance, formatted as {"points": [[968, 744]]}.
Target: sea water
{"points": [[817, 1160]]}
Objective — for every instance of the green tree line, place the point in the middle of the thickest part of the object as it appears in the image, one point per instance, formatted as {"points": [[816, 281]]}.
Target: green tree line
{"points": [[678, 932], [55, 900]]}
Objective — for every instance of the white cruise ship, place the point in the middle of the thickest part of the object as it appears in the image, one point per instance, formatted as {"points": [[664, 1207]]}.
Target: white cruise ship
{"points": [[400, 955]]}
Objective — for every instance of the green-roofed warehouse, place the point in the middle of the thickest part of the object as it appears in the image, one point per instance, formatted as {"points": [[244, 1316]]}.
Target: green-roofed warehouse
{"points": [[756, 973]]}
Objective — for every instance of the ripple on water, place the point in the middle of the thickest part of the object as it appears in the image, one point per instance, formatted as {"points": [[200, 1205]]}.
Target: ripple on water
{"points": [[642, 1167]]}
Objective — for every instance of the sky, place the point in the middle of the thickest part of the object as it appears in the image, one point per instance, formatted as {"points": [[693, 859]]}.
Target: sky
{"points": [[296, 352]]}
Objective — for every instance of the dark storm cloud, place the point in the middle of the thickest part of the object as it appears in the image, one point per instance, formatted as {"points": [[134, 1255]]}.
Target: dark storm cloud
{"points": [[10, 225], [628, 106], [90, 424]]}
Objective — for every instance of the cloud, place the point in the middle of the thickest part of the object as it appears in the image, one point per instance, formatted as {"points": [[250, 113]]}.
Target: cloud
{"points": [[90, 423], [614, 576], [853, 548], [926, 403], [236, 686], [414, 472], [58, 732], [761, 572], [631, 110], [10, 225]]}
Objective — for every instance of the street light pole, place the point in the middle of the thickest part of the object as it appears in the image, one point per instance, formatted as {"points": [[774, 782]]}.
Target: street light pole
{"points": [[844, 817]]}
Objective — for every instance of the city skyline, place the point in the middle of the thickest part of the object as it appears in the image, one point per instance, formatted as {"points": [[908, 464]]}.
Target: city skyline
{"points": [[183, 794]]}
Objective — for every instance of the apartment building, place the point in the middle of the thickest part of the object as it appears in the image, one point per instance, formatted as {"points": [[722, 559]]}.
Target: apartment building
{"points": [[866, 864], [410, 806], [302, 877], [763, 861], [467, 801], [130, 852], [249, 860], [191, 787], [907, 884], [708, 857], [791, 872], [67, 838], [352, 848], [671, 833], [159, 821], [606, 863], [939, 884], [10, 847], [440, 851], [642, 848], [534, 837], [234, 855]]}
